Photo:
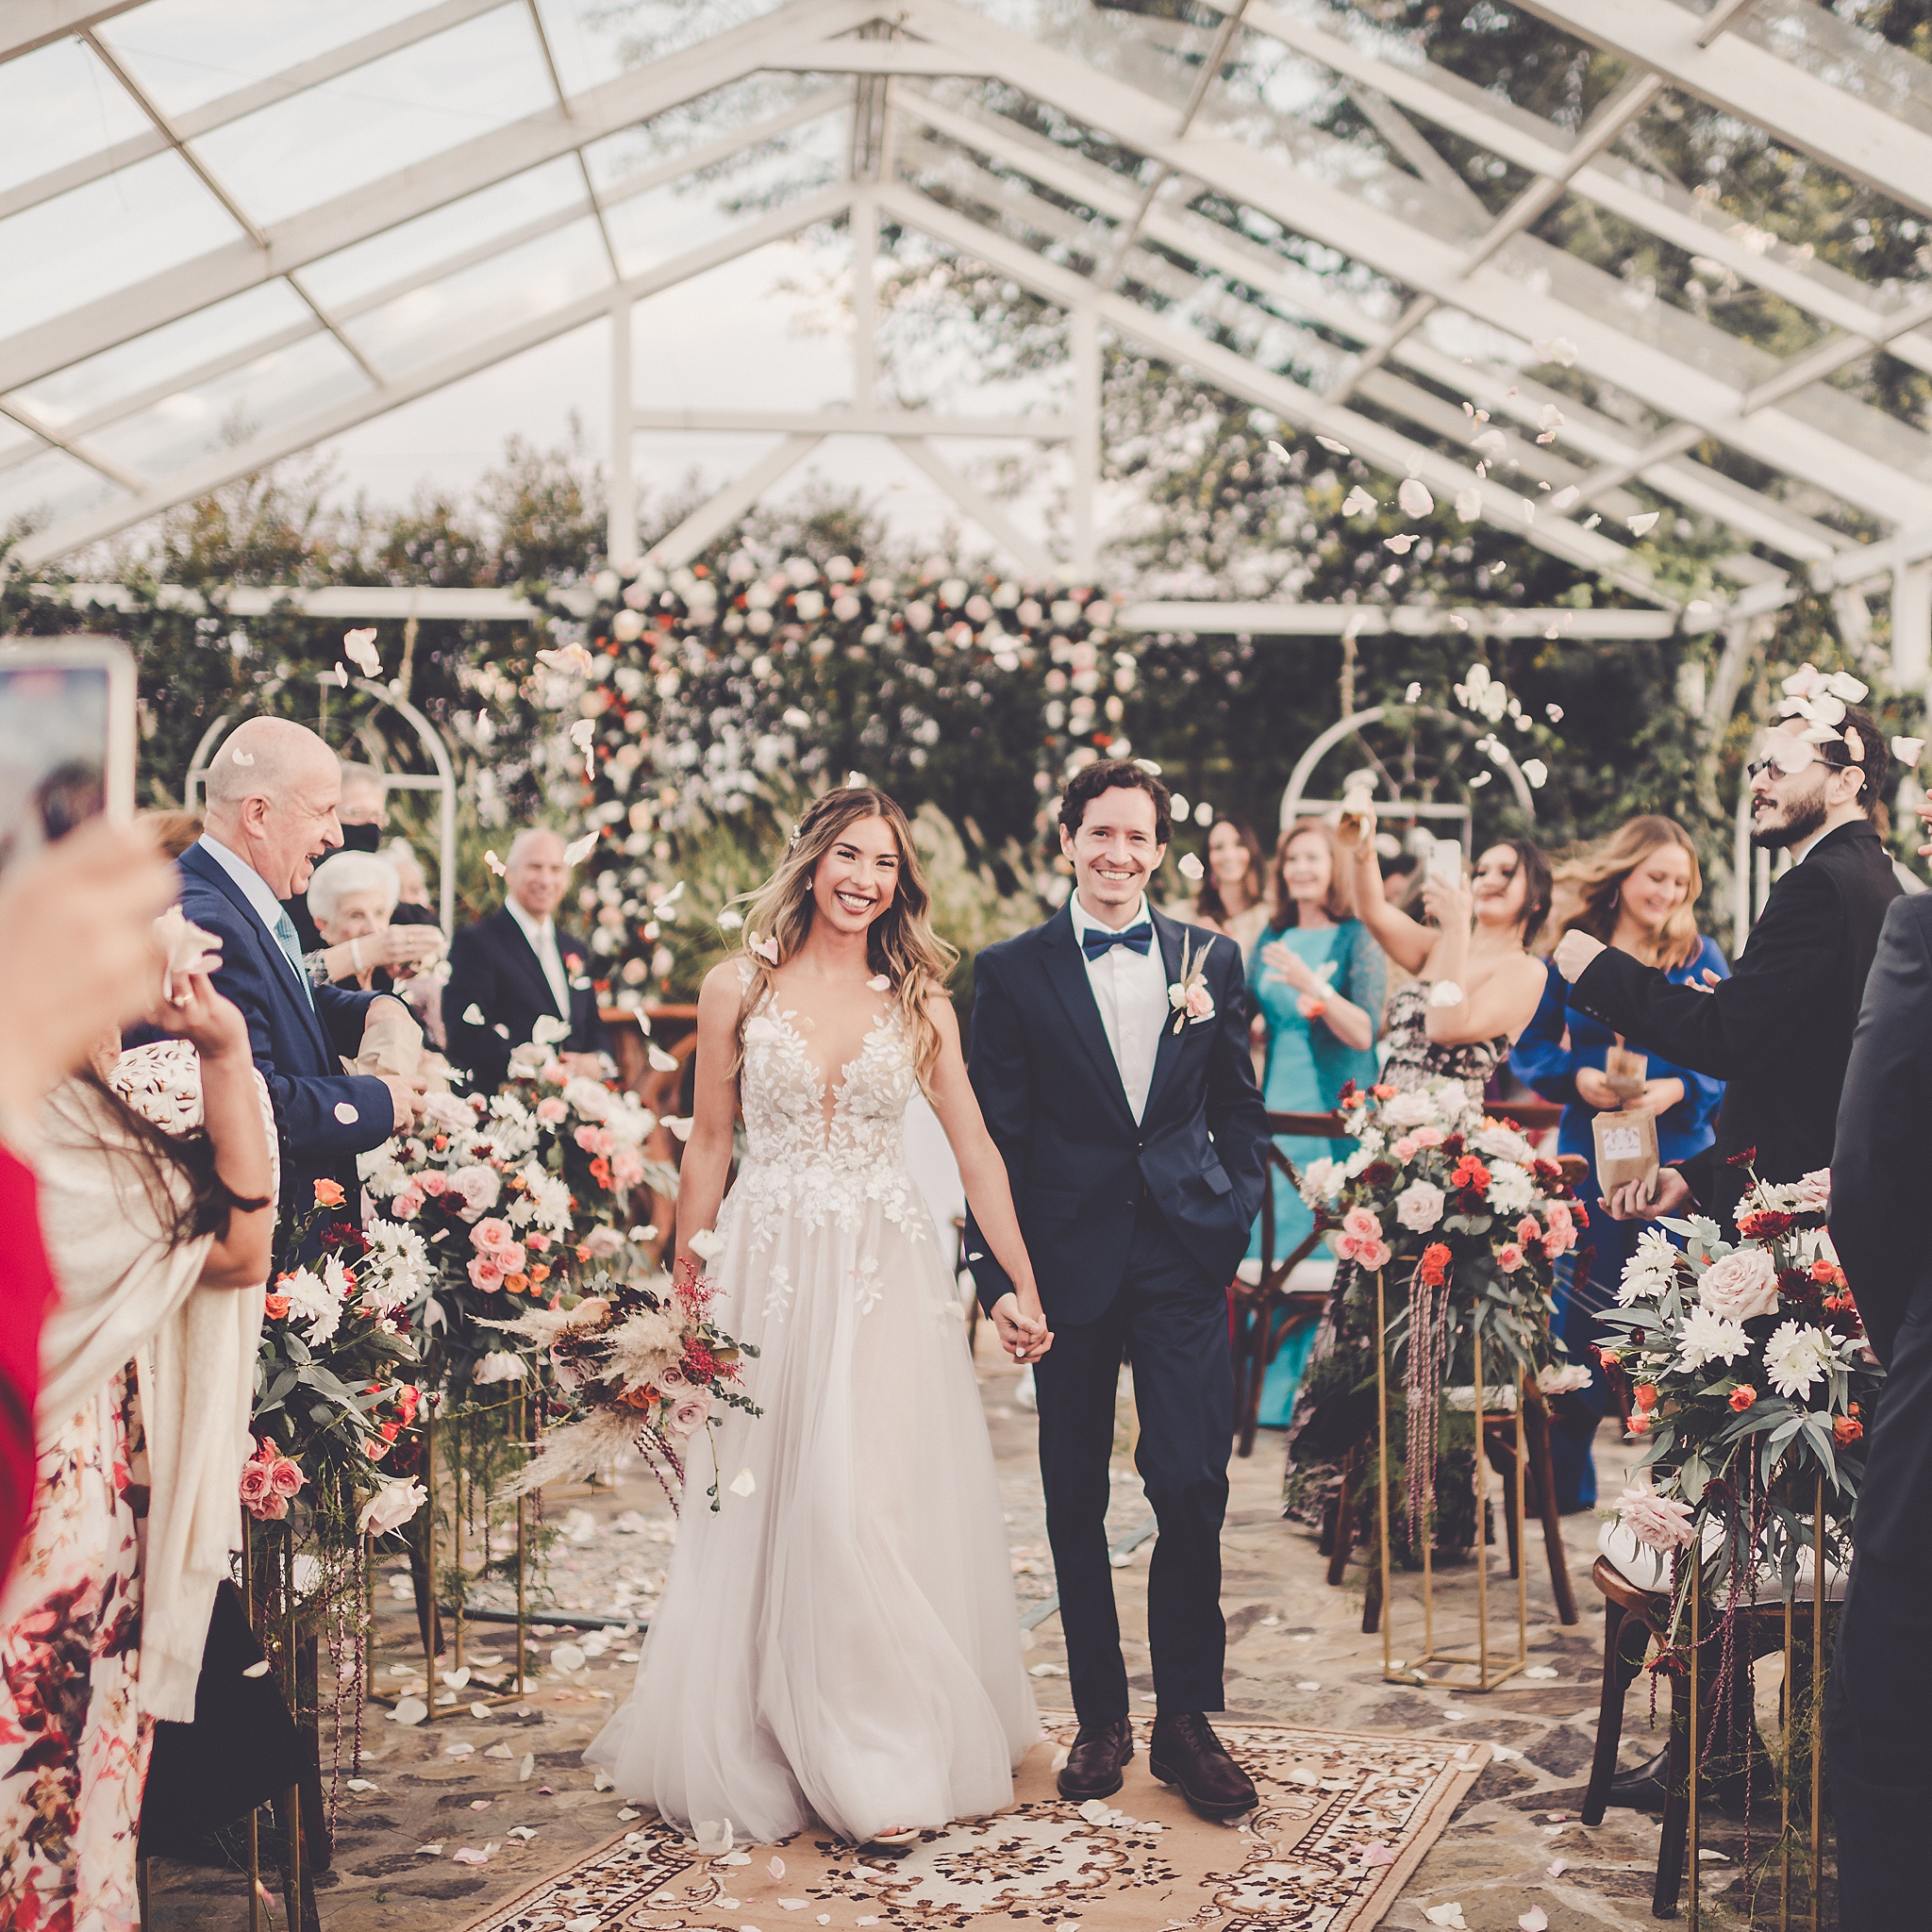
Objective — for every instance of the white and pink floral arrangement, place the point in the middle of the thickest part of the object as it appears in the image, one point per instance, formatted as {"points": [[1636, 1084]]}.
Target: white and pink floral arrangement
{"points": [[513, 1197], [1751, 1384], [1464, 1221]]}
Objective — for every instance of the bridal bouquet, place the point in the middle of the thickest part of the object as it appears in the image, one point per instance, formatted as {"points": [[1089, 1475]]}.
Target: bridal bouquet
{"points": [[514, 1195], [1751, 1385], [641, 1367], [1465, 1224]]}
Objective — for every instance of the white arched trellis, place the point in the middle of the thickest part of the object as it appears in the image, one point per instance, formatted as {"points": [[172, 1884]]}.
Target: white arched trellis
{"points": [[1294, 804], [442, 780]]}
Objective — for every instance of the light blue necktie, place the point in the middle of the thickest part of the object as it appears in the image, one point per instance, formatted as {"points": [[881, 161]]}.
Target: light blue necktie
{"points": [[285, 937]]}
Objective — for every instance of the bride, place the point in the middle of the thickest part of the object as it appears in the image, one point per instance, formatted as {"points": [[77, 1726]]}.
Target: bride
{"points": [[841, 1641]]}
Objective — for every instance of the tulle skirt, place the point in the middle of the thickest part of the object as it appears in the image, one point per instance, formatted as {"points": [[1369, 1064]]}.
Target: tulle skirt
{"points": [[842, 1642]]}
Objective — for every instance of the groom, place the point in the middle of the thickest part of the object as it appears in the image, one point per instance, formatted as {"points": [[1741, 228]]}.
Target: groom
{"points": [[1110, 1058]]}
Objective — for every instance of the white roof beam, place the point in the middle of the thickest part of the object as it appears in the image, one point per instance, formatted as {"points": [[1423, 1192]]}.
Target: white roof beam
{"points": [[985, 511], [1400, 620], [898, 424], [1752, 514], [68, 444], [710, 520], [305, 432], [400, 197], [1431, 265], [1859, 137], [26, 25], [1238, 377]]}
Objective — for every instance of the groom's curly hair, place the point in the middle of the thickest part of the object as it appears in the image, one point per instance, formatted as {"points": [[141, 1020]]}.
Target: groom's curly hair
{"points": [[1111, 774]]}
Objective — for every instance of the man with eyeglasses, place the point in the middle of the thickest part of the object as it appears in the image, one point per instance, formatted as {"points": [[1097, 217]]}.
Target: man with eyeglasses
{"points": [[1778, 1032]]}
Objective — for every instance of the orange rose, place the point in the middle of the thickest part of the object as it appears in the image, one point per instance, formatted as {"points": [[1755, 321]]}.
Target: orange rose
{"points": [[328, 1193], [517, 1284], [540, 1272], [1847, 1428], [275, 1305], [1742, 1397], [583, 1252], [1647, 1396], [1639, 1424]]}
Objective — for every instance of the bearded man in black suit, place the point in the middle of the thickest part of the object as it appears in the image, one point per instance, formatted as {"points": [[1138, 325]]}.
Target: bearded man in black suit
{"points": [[513, 975]]}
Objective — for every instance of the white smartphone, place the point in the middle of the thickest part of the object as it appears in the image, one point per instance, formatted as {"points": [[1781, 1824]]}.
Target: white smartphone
{"points": [[1445, 860], [67, 738]]}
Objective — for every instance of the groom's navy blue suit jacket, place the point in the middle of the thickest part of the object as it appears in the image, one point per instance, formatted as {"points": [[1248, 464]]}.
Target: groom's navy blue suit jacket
{"points": [[1078, 1159], [324, 1117]]}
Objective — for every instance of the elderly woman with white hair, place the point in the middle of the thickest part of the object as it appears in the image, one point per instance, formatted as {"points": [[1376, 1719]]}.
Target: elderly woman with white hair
{"points": [[350, 899]]}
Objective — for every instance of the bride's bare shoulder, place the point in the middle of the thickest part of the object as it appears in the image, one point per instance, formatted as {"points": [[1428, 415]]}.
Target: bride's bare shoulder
{"points": [[723, 986]]}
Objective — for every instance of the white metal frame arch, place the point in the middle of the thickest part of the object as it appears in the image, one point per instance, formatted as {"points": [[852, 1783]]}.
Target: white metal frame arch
{"points": [[442, 782], [1293, 804]]}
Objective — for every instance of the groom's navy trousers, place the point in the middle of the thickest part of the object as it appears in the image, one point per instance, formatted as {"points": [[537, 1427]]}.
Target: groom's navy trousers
{"points": [[1134, 1228]]}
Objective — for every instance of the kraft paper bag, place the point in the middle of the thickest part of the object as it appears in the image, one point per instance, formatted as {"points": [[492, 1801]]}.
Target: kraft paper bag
{"points": [[391, 1042], [1625, 1149], [1626, 1072]]}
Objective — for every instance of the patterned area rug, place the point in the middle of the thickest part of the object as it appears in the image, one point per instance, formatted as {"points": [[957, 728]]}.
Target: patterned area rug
{"points": [[1344, 1818]]}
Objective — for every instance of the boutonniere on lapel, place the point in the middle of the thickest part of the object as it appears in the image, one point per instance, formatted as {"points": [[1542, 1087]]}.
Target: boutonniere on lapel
{"points": [[1189, 995]]}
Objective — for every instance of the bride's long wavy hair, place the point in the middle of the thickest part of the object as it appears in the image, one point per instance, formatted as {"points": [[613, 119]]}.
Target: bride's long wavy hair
{"points": [[900, 942]]}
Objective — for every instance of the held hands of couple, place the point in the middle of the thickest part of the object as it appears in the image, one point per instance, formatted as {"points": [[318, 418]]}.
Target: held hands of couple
{"points": [[1665, 1193], [1022, 1326]]}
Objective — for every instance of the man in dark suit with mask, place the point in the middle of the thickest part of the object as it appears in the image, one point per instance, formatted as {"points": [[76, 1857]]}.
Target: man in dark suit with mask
{"points": [[514, 976]]}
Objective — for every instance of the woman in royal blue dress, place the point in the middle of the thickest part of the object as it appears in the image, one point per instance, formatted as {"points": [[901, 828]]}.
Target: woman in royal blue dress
{"points": [[1315, 983], [1637, 890]]}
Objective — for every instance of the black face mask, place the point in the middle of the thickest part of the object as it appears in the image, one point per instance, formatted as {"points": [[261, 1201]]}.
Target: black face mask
{"points": [[361, 837]]}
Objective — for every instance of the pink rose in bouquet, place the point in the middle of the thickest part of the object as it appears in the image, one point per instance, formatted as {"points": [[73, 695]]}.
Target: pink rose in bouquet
{"points": [[1741, 1285], [596, 1141], [1659, 1523], [1406, 1149], [1509, 1256], [1418, 1206], [552, 1110], [1428, 1137], [408, 1204], [1814, 1193], [479, 1187], [432, 1182], [268, 1478], [511, 1259], [486, 1273], [687, 1415], [257, 1490], [627, 1167], [492, 1235]]}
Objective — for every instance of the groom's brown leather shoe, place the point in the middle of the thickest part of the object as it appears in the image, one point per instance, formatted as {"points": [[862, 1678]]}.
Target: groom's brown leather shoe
{"points": [[1096, 1760], [1184, 1751]]}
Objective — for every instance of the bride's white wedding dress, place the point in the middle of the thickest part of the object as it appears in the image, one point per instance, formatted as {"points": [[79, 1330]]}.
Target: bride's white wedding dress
{"points": [[841, 1644]]}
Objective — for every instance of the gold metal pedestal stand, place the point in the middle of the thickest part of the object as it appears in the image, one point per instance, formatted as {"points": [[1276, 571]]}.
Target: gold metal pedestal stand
{"points": [[1488, 1677]]}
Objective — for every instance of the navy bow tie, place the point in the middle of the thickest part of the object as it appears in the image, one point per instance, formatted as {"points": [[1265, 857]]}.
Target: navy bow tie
{"points": [[1096, 942]]}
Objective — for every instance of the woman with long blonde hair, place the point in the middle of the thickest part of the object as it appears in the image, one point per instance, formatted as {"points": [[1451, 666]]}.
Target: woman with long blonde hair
{"points": [[1636, 890], [839, 1640]]}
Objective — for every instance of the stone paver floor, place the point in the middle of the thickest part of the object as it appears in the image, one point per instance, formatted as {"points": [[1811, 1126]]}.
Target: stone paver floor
{"points": [[1296, 1655]]}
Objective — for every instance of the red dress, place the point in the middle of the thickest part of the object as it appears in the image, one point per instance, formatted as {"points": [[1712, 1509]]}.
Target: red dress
{"points": [[26, 1287]]}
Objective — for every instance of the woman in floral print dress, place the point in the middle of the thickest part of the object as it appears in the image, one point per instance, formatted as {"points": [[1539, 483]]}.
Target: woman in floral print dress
{"points": [[139, 1208]]}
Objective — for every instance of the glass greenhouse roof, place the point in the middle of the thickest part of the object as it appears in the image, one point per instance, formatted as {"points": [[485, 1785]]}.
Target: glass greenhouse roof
{"points": [[1693, 237]]}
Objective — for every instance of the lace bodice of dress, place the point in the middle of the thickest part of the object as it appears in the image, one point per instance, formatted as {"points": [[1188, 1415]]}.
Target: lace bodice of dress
{"points": [[800, 1161], [1414, 1058]]}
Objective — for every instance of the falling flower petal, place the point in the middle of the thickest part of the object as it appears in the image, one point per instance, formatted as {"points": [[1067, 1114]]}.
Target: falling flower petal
{"points": [[1469, 505], [1414, 497], [1492, 441], [359, 646], [495, 864], [570, 658], [1550, 417], [1275, 449], [1565, 497], [776, 1868], [1358, 503], [1553, 713], [1334, 448], [743, 1483], [1535, 1920], [1558, 1867], [661, 1062], [1557, 349], [1401, 545], [1908, 749], [1643, 525], [1536, 771], [1449, 1916], [1190, 867], [580, 849], [341, 674]]}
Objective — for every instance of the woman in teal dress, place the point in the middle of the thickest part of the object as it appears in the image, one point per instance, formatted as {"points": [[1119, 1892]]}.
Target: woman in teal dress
{"points": [[1315, 986]]}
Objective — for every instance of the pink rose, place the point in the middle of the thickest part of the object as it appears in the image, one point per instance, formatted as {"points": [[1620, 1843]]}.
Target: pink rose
{"points": [[1428, 1137], [1559, 1240], [1660, 1523], [1405, 1148], [1199, 1002], [479, 1187], [510, 1259], [596, 1141], [284, 1476], [537, 1240], [255, 1483], [1418, 1206], [1372, 1256], [1558, 1216], [551, 1110], [408, 1204], [687, 1415], [1814, 1191], [626, 1167], [1509, 1258], [492, 1235], [673, 1377], [432, 1182], [1361, 1224], [1527, 1230], [486, 1273], [1740, 1286], [1360, 1231]]}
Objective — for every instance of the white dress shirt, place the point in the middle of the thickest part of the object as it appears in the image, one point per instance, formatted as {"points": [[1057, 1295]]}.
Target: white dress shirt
{"points": [[255, 889], [1130, 990], [542, 938]]}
